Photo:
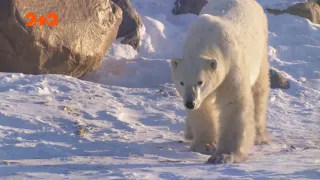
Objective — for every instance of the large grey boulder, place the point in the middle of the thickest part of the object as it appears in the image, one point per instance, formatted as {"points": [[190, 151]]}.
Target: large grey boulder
{"points": [[130, 25], [86, 29]]}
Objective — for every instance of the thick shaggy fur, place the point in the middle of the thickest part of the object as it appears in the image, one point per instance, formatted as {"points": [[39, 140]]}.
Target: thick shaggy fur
{"points": [[224, 72]]}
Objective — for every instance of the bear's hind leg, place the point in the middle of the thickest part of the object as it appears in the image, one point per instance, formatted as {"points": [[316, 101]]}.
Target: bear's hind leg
{"points": [[260, 93]]}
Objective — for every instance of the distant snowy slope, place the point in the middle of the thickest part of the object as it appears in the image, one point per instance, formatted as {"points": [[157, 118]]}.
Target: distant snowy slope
{"points": [[127, 123]]}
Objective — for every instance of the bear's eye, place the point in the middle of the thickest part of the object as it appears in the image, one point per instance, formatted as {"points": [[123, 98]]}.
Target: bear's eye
{"points": [[200, 83], [182, 84], [213, 64]]}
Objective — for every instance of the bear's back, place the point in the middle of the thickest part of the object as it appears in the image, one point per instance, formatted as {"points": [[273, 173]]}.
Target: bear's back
{"points": [[201, 35], [247, 23], [238, 11]]}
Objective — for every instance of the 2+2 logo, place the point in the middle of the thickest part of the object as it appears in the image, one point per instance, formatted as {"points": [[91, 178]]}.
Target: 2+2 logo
{"points": [[51, 19]]}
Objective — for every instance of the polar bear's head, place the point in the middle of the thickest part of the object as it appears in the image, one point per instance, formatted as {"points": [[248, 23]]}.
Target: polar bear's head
{"points": [[195, 80]]}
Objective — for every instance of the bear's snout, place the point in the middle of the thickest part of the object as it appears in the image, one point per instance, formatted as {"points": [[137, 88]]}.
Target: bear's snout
{"points": [[190, 104]]}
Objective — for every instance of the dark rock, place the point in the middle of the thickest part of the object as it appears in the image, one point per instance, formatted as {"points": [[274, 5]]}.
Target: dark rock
{"points": [[277, 80], [76, 46], [309, 10], [188, 6], [130, 25]]}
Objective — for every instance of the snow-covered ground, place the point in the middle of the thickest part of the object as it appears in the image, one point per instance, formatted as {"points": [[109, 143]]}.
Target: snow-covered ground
{"points": [[125, 121]]}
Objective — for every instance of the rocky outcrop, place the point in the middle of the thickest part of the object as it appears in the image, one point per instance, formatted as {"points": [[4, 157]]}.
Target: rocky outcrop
{"points": [[309, 10], [74, 47], [130, 25], [277, 80], [188, 6]]}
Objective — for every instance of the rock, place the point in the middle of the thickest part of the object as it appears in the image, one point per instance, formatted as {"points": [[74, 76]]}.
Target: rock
{"points": [[76, 46], [130, 25], [309, 10], [277, 80], [188, 6]]}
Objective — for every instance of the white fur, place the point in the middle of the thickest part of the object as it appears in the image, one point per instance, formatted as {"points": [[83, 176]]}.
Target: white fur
{"points": [[230, 105]]}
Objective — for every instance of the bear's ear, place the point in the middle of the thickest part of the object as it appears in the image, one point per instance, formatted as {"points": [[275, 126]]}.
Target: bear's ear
{"points": [[175, 62], [213, 64]]}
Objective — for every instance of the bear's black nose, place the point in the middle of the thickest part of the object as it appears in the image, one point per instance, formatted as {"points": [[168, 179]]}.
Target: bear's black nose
{"points": [[190, 104]]}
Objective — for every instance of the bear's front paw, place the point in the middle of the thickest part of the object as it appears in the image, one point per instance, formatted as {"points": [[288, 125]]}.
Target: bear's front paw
{"points": [[203, 148], [221, 159]]}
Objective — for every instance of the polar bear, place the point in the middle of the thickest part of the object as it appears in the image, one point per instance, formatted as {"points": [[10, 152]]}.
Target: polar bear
{"points": [[223, 79]]}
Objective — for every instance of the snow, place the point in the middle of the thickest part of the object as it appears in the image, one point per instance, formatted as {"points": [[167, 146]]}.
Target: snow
{"points": [[133, 120]]}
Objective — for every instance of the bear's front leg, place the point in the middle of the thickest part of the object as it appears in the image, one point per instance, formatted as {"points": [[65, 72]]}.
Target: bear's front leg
{"points": [[203, 124], [237, 131]]}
